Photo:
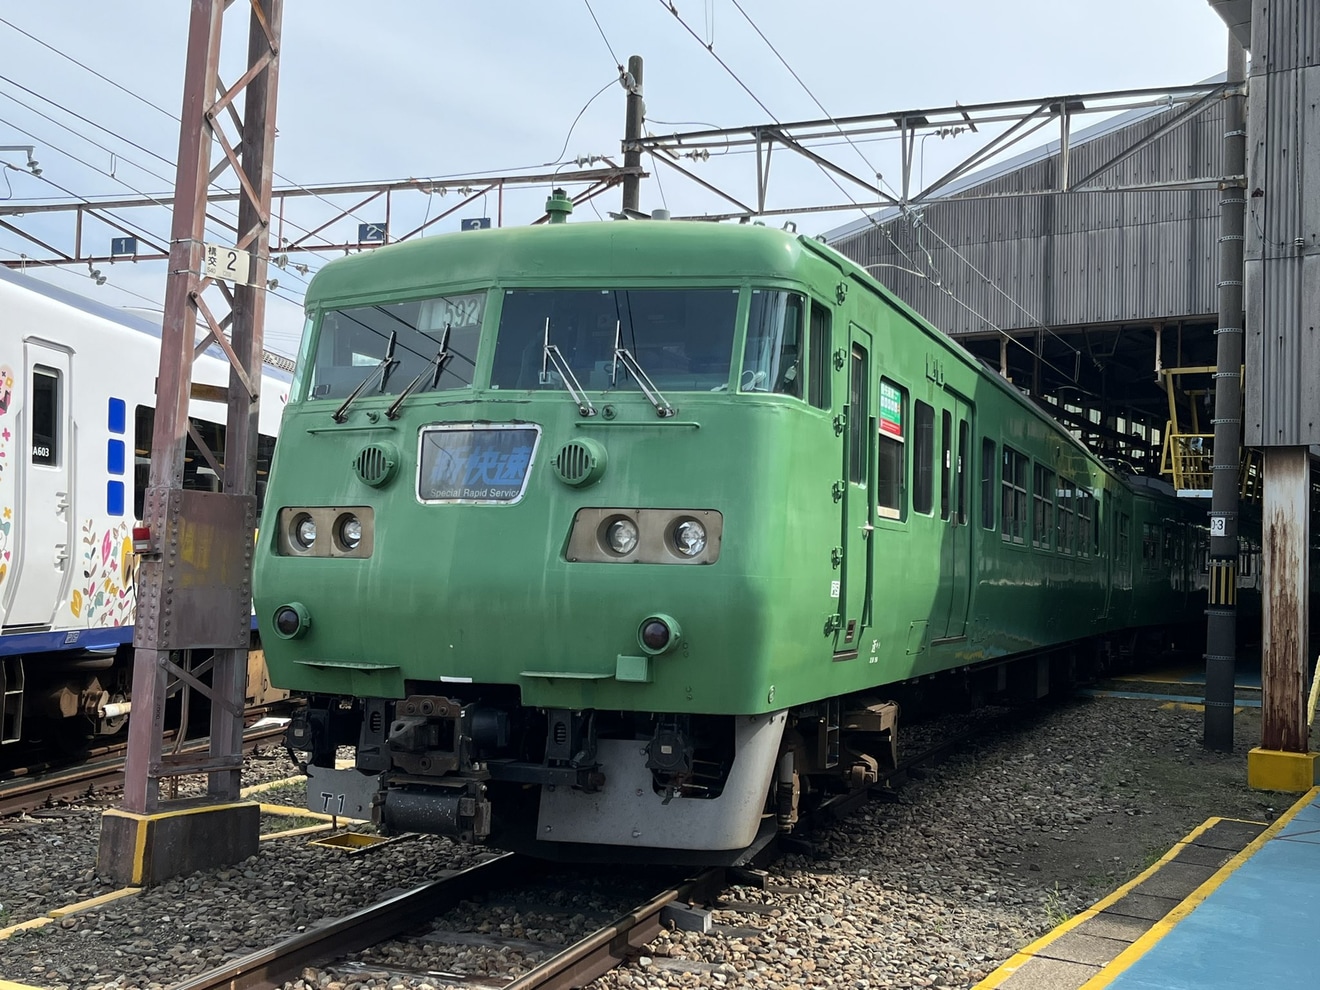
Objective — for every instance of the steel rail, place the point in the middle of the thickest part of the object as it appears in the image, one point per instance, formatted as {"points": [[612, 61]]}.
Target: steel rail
{"points": [[275, 965], [603, 950], [104, 772]]}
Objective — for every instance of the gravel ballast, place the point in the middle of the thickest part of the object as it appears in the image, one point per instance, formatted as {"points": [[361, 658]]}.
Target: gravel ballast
{"points": [[984, 853]]}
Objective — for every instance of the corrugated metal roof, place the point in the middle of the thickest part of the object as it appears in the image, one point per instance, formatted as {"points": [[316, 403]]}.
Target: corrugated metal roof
{"points": [[1059, 259]]}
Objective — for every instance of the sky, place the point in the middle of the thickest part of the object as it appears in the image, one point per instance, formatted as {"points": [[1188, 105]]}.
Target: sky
{"points": [[404, 89]]}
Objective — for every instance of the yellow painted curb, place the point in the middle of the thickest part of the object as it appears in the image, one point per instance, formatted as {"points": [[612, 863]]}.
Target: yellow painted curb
{"points": [[272, 785], [305, 830], [23, 926], [1141, 946], [1018, 959], [290, 811]]}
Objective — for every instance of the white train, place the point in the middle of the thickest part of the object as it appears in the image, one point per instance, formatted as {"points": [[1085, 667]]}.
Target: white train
{"points": [[77, 398]]}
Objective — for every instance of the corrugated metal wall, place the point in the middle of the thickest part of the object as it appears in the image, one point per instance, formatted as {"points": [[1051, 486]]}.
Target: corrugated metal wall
{"points": [[1073, 259], [1283, 227]]}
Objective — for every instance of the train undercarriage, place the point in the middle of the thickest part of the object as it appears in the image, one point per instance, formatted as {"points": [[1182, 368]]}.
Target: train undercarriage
{"points": [[592, 784]]}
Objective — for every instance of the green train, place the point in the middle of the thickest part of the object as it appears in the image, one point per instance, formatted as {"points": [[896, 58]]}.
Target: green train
{"points": [[630, 535]]}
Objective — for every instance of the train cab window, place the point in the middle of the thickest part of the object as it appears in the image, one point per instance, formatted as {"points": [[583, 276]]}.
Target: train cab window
{"points": [[1013, 482], [923, 459], [889, 451], [1043, 504], [681, 338], [987, 483], [818, 368], [858, 414], [773, 355], [45, 405], [352, 343], [1066, 516], [946, 461]]}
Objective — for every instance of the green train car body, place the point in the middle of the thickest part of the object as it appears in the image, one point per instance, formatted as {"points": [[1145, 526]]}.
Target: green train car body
{"points": [[685, 491]]}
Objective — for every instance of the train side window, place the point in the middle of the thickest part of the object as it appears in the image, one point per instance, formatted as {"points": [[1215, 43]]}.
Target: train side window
{"points": [[1043, 505], [1123, 557], [1150, 547], [962, 469], [1085, 525], [1013, 482], [1066, 515], [923, 457], [45, 405], [946, 461], [200, 473], [857, 416], [818, 381], [987, 483], [889, 451]]}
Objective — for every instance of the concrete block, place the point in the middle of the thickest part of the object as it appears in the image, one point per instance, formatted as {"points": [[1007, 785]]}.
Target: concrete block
{"points": [[1277, 770], [144, 850]]}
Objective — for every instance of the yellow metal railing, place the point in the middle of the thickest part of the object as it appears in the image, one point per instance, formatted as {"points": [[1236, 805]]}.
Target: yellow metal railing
{"points": [[1188, 459]]}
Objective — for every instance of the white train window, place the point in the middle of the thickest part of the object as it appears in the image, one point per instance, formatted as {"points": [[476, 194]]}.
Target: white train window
{"points": [[45, 406]]}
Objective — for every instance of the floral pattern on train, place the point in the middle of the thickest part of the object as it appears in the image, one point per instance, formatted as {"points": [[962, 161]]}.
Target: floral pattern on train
{"points": [[6, 435], [109, 572]]}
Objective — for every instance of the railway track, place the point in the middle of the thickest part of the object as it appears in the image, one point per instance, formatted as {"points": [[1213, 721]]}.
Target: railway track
{"points": [[99, 775], [572, 966]]}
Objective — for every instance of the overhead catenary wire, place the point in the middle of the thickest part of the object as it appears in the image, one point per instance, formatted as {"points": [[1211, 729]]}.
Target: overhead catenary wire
{"points": [[907, 212]]}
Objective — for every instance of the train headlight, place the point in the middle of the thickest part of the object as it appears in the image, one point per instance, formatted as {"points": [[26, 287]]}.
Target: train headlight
{"points": [[304, 531], [689, 537], [621, 536], [658, 633], [349, 530], [292, 620]]}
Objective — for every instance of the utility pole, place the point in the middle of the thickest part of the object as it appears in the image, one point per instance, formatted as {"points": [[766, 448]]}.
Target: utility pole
{"points": [[195, 547], [1221, 610], [632, 133]]}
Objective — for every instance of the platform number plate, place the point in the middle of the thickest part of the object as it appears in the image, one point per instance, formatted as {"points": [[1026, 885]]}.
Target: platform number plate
{"points": [[1218, 526]]}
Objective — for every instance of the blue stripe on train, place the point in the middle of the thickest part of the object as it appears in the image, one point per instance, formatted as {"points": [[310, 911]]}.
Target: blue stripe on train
{"points": [[100, 638]]}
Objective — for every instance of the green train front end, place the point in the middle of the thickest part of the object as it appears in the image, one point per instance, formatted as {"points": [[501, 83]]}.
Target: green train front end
{"points": [[580, 535]]}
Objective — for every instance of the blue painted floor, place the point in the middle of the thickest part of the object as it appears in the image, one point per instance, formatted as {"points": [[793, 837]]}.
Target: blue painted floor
{"points": [[1256, 930]]}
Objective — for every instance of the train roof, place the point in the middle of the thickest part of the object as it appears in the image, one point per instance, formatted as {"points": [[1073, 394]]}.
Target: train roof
{"points": [[82, 303], [610, 249], [112, 314]]}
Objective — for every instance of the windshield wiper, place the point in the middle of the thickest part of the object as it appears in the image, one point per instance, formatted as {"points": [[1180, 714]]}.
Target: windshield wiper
{"points": [[550, 355], [621, 354], [387, 365], [435, 369]]}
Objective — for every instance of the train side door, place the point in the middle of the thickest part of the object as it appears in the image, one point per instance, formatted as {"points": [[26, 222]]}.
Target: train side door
{"points": [[955, 439], [854, 493], [44, 465]]}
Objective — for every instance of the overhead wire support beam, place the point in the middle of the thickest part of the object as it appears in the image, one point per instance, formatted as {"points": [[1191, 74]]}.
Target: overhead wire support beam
{"points": [[281, 200], [1021, 117]]}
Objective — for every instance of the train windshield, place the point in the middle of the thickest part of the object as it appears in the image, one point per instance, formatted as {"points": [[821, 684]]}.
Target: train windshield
{"points": [[681, 338], [353, 342]]}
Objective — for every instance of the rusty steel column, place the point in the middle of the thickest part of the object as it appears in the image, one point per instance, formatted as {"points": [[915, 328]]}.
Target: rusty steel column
{"points": [[1285, 575], [193, 624], [247, 337], [170, 430]]}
